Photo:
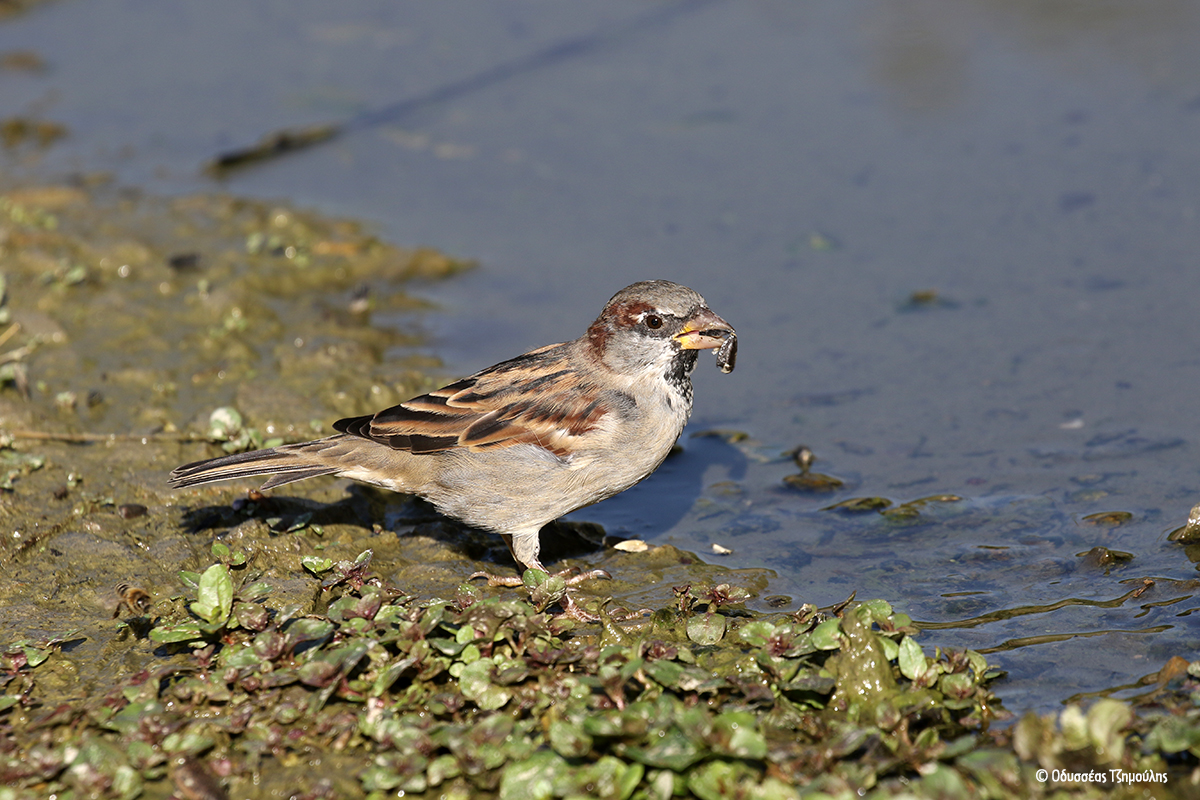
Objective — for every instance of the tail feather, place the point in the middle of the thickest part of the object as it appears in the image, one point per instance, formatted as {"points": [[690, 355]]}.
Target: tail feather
{"points": [[286, 464], [281, 478]]}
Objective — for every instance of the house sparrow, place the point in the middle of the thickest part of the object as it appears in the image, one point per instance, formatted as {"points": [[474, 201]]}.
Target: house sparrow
{"points": [[520, 444]]}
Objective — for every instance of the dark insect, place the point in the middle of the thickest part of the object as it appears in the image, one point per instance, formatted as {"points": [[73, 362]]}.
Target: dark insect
{"points": [[727, 353]]}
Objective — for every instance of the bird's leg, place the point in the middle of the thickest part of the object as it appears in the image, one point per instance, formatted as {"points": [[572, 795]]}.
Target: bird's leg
{"points": [[525, 548]]}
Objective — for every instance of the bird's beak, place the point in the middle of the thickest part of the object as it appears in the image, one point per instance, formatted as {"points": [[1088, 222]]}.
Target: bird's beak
{"points": [[704, 331]]}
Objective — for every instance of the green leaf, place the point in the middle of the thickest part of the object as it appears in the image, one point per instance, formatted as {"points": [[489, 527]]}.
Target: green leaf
{"points": [[756, 633], [666, 673], [316, 564], [442, 769], [1105, 722], [912, 660], [978, 664], [299, 523], [238, 657], [308, 630], [227, 555], [891, 650], [34, 655], [318, 672], [215, 595], [706, 629], [957, 686], [718, 780], [532, 578], [672, 750], [476, 684], [548, 592], [737, 735], [184, 632], [607, 778], [628, 782], [612, 723], [1174, 735], [255, 591], [533, 778], [188, 742], [827, 635], [390, 675], [781, 669], [569, 739], [251, 616]]}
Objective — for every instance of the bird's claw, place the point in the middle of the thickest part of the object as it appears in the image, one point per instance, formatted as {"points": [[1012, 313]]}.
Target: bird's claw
{"points": [[574, 611], [497, 580], [583, 576]]}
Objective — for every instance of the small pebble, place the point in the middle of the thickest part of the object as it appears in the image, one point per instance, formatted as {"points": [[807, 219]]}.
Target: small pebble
{"points": [[131, 510], [184, 261]]}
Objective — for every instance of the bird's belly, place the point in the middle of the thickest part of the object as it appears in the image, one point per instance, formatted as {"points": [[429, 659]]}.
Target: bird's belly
{"points": [[508, 490]]}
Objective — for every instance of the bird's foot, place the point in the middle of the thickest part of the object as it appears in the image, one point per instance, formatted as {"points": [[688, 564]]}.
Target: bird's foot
{"points": [[498, 580], [571, 576], [573, 610], [571, 579]]}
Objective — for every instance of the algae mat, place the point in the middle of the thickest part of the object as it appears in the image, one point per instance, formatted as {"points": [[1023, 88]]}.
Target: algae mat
{"points": [[327, 644]]}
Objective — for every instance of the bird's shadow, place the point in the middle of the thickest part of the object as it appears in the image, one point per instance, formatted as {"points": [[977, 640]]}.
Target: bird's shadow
{"points": [[281, 513], [658, 504], [663, 500], [376, 510]]}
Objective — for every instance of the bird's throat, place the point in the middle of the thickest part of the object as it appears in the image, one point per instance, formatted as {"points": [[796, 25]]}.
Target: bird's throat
{"points": [[679, 373]]}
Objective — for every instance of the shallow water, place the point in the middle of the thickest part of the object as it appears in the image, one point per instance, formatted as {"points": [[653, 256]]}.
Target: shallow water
{"points": [[808, 168]]}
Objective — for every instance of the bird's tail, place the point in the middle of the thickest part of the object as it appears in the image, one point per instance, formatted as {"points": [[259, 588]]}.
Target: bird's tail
{"points": [[285, 464]]}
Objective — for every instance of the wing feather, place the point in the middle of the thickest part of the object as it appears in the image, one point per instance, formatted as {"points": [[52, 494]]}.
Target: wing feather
{"points": [[539, 398]]}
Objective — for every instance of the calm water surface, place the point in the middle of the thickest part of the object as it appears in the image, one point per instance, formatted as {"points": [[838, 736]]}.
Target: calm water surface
{"points": [[807, 167]]}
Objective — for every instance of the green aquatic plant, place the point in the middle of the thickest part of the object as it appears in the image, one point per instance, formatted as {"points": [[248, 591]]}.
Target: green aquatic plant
{"points": [[485, 694], [219, 606]]}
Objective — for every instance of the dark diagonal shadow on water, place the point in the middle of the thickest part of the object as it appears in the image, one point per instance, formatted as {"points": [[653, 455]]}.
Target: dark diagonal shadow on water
{"points": [[280, 143]]}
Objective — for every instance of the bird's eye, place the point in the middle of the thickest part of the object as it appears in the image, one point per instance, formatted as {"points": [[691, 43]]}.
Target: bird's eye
{"points": [[654, 321]]}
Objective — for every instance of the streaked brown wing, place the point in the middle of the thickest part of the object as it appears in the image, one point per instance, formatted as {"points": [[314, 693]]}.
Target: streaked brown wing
{"points": [[537, 398]]}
